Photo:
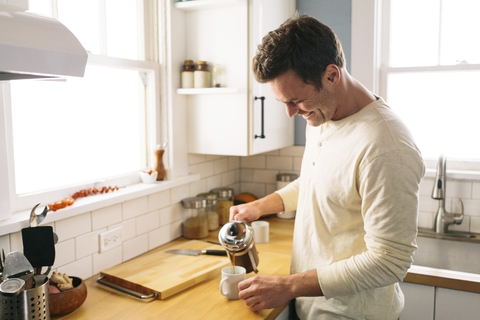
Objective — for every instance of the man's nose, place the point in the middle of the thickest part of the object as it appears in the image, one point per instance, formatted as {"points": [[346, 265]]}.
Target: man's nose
{"points": [[292, 109]]}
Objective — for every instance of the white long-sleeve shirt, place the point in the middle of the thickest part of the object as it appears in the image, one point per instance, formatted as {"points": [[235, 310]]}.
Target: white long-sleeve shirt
{"points": [[356, 221]]}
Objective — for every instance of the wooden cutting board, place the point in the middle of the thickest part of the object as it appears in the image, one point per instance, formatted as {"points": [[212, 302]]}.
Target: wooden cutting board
{"points": [[167, 273]]}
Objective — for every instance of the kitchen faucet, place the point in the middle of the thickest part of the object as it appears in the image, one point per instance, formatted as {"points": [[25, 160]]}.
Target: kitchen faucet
{"points": [[443, 218]]}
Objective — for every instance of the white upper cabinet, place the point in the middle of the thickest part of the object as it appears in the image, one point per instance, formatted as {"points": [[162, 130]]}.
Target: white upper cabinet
{"points": [[228, 120]]}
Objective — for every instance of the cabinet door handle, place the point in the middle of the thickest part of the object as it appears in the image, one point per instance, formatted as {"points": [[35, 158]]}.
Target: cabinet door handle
{"points": [[262, 136]]}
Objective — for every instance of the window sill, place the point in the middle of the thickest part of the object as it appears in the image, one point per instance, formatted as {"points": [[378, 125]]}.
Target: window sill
{"points": [[20, 220]]}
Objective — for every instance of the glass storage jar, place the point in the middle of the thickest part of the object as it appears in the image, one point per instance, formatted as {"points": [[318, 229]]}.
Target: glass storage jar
{"points": [[212, 210], [202, 76], [224, 202], [195, 224]]}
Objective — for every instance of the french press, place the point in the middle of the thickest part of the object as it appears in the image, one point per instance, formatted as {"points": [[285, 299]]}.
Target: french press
{"points": [[237, 238]]}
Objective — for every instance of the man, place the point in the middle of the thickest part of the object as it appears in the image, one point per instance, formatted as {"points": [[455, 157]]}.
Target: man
{"points": [[357, 194]]}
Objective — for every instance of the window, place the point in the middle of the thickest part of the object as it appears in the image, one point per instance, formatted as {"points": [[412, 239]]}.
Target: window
{"points": [[430, 72], [68, 135]]}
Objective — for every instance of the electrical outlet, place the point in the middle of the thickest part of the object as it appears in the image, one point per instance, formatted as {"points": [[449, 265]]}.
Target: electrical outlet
{"points": [[110, 239]]}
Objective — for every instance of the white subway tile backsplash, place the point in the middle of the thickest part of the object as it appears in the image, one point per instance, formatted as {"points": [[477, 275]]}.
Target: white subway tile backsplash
{"points": [[475, 224], [197, 187], [220, 165], [459, 189], [16, 242], [425, 220], [106, 216], [74, 226], [179, 193], [214, 182], [476, 190], [159, 237], [295, 151], [196, 158], [134, 208], [5, 243], [148, 222], [233, 163], [107, 259], [135, 247], [265, 176], [171, 214], [87, 244], [64, 252], [159, 200], [129, 229], [176, 230], [206, 169], [81, 268], [280, 163], [228, 178], [247, 175], [253, 162]]}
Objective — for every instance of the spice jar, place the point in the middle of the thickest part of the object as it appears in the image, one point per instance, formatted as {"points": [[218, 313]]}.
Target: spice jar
{"points": [[201, 76], [212, 210], [195, 225], [224, 202], [187, 74]]}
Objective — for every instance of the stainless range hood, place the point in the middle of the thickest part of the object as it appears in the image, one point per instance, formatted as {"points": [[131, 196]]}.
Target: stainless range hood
{"points": [[33, 46]]}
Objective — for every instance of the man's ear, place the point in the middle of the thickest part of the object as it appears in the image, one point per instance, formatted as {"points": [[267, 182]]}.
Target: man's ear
{"points": [[332, 74]]}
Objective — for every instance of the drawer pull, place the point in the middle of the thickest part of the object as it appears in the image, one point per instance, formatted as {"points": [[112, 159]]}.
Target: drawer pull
{"points": [[127, 291]]}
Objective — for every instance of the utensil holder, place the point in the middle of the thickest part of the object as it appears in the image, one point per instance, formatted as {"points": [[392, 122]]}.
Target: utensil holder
{"points": [[28, 304]]}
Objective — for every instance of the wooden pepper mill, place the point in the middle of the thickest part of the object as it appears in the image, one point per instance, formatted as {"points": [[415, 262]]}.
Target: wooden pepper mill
{"points": [[159, 167]]}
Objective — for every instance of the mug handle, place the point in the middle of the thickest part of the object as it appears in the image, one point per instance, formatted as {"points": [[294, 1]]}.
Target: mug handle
{"points": [[221, 287]]}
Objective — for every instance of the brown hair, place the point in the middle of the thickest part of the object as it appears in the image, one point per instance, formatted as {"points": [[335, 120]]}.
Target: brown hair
{"points": [[301, 43]]}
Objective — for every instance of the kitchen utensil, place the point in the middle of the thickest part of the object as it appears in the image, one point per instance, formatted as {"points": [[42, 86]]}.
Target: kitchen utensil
{"points": [[157, 274], [17, 266], [237, 238], [25, 304], [198, 252], [39, 246], [35, 219]]}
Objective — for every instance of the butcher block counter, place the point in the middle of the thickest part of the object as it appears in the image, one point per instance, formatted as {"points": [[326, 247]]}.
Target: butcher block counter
{"points": [[204, 301]]}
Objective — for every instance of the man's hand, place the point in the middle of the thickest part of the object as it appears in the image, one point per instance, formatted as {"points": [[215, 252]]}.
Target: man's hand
{"points": [[265, 292], [252, 211]]}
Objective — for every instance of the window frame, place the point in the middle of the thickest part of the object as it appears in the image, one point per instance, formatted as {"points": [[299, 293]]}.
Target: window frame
{"points": [[370, 49], [153, 67]]}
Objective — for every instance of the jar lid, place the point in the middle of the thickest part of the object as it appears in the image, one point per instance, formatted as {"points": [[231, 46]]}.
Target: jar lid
{"points": [[286, 176], [195, 202], [208, 195], [188, 62], [235, 236], [201, 62], [223, 192], [12, 287]]}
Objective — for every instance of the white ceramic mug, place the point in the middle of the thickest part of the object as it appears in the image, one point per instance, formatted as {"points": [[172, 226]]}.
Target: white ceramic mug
{"points": [[230, 281], [261, 231]]}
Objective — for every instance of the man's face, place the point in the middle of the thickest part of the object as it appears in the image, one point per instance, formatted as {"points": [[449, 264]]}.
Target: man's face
{"points": [[316, 107]]}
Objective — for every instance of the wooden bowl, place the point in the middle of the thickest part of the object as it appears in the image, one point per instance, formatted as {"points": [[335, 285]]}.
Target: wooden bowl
{"points": [[70, 300]]}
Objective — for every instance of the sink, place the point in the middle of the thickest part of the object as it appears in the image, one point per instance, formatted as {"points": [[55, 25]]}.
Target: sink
{"points": [[451, 235], [456, 251]]}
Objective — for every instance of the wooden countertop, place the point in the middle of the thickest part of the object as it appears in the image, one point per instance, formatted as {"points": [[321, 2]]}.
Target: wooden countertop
{"points": [[203, 301]]}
